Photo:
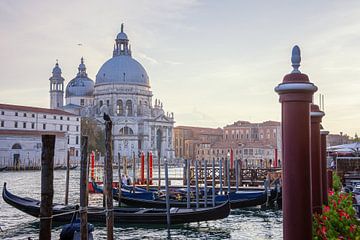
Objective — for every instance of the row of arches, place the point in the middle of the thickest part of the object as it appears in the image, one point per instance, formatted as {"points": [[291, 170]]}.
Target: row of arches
{"points": [[120, 108]]}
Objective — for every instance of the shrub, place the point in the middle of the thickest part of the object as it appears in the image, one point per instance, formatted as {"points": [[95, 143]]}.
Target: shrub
{"points": [[337, 220], [336, 182]]}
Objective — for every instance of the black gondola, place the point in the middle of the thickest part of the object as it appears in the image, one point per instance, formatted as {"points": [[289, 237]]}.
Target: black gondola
{"points": [[3, 168], [63, 167], [236, 201], [121, 215]]}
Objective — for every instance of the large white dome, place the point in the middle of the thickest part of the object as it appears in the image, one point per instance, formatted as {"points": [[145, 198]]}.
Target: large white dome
{"points": [[122, 69]]}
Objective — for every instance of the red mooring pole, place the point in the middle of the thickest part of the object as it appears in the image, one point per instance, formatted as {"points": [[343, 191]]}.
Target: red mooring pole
{"points": [[151, 167], [296, 94], [316, 179], [92, 165], [231, 158], [324, 180], [142, 168]]}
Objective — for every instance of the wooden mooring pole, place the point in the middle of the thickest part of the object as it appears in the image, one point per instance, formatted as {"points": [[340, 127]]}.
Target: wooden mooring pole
{"points": [[83, 188], [188, 183], [47, 185], [67, 178], [324, 167], [109, 178], [213, 182], [205, 182], [147, 171], [197, 183], [167, 193], [120, 180]]}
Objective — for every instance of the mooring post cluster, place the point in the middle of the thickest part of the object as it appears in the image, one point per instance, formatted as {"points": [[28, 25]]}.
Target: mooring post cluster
{"points": [[303, 149]]}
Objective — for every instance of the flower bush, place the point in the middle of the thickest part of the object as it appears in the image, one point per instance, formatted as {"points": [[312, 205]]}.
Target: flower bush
{"points": [[337, 220]]}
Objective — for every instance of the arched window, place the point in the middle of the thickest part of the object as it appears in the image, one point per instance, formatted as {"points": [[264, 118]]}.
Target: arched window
{"points": [[129, 107], [16, 146], [119, 108], [101, 103], [126, 131]]}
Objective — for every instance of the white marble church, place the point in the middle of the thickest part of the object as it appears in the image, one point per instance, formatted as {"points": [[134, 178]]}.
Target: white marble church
{"points": [[122, 90]]}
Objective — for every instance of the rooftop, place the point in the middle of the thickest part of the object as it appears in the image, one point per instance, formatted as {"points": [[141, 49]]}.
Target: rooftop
{"points": [[34, 109]]}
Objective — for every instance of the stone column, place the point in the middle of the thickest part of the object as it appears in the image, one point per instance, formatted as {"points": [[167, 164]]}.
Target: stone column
{"points": [[296, 94], [324, 167], [316, 178]]}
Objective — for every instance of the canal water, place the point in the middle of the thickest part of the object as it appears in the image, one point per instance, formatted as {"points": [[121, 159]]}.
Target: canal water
{"points": [[254, 223]]}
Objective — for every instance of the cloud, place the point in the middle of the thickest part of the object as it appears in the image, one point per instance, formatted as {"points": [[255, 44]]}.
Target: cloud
{"points": [[147, 58]]}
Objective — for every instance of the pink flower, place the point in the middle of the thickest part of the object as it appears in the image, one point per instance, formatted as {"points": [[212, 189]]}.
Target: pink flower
{"points": [[331, 192]]}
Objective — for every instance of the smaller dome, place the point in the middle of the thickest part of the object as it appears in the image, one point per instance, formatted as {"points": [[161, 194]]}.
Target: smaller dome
{"points": [[81, 85]]}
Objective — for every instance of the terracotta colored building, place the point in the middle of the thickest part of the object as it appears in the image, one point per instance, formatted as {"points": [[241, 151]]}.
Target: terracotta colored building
{"points": [[186, 138]]}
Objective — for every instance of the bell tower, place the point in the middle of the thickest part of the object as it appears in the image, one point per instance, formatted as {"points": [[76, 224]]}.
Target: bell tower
{"points": [[56, 88]]}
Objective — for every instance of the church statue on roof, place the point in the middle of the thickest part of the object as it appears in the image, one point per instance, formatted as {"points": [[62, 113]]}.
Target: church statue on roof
{"points": [[121, 90]]}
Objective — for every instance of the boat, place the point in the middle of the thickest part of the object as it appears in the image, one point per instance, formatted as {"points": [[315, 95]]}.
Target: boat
{"points": [[237, 200], [126, 193], [63, 167], [3, 168], [63, 213]]}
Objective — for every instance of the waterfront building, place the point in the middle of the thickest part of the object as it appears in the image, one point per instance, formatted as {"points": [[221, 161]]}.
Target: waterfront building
{"points": [[251, 154], [186, 139], [337, 139], [21, 128], [257, 144]]}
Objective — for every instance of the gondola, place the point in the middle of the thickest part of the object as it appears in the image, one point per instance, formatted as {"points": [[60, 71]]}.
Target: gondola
{"points": [[237, 200], [3, 169], [63, 213], [124, 192], [63, 167]]}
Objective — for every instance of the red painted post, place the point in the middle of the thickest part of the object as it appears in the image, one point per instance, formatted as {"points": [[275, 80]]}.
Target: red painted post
{"points": [[275, 158], [324, 167], [316, 179], [151, 167], [93, 165], [231, 159], [296, 93], [142, 168]]}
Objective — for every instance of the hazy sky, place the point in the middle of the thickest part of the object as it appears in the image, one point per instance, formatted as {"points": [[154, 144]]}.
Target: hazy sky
{"points": [[210, 62]]}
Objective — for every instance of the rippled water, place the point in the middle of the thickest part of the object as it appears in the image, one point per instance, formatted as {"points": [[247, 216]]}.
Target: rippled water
{"points": [[241, 224]]}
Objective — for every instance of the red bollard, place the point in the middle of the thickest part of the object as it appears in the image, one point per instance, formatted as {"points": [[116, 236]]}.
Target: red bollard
{"points": [[142, 168], [316, 179], [151, 167], [231, 159], [324, 167], [296, 94]]}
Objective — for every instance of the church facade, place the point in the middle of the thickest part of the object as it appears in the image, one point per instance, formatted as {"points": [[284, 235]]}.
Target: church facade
{"points": [[121, 90]]}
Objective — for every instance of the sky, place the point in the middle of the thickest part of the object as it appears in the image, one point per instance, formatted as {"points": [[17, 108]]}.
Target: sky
{"points": [[210, 62]]}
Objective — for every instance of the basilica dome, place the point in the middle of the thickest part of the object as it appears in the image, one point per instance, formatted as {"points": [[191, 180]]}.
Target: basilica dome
{"points": [[122, 68], [81, 85]]}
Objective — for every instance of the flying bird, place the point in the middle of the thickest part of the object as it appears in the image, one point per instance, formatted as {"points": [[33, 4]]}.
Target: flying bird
{"points": [[79, 44]]}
